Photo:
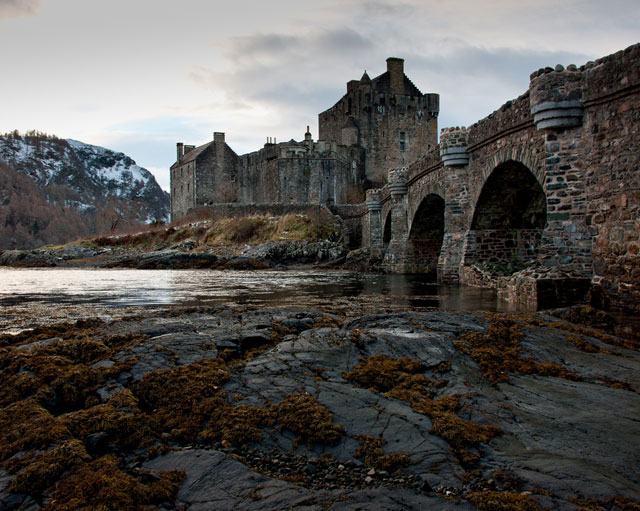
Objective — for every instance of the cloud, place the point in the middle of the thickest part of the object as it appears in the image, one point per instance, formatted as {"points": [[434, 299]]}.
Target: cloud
{"points": [[306, 72], [266, 47], [14, 8], [284, 69]]}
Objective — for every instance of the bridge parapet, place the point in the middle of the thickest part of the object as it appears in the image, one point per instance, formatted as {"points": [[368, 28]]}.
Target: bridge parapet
{"points": [[397, 181], [453, 146], [556, 97]]}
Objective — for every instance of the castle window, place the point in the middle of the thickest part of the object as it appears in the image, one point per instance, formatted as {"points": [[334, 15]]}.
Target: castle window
{"points": [[188, 187], [403, 140]]}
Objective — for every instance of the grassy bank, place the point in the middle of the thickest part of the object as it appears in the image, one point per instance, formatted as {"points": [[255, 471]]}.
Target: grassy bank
{"points": [[228, 232]]}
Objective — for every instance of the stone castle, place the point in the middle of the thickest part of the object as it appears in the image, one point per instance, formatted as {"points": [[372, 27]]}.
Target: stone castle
{"points": [[540, 200], [378, 124]]}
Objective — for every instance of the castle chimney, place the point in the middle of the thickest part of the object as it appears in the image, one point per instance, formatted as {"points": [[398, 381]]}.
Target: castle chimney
{"points": [[307, 136], [395, 68], [218, 137], [179, 151]]}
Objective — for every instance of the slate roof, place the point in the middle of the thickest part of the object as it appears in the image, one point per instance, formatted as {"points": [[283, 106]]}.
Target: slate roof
{"points": [[193, 154], [382, 83]]}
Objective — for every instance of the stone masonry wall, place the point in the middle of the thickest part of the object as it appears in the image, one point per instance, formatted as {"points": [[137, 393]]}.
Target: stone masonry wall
{"points": [[611, 145], [502, 247], [182, 189], [298, 173]]}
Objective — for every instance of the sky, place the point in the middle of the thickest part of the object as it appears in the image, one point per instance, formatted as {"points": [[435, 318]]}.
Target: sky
{"points": [[137, 76]]}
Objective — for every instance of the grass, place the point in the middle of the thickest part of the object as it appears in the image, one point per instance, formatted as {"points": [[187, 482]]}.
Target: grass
{"points": [[230, 231]]}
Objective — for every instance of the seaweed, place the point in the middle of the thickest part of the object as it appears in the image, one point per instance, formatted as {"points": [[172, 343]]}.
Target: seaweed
{"points": [[308, 419], [371, 451], [502, 501], [498, 352], [104, 485]]}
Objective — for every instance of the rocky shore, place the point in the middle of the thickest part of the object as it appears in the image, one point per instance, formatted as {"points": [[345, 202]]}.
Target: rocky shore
{"points": [[235, 407], [179, 256]]}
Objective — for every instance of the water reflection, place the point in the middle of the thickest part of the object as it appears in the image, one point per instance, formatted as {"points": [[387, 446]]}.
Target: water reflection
{"points": [[56, 292]]}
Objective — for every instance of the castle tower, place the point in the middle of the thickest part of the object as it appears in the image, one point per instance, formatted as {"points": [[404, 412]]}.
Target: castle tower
{"points": [[387, 116]]}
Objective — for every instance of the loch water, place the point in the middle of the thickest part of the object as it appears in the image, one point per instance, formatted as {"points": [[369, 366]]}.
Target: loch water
{"points": [[30, 297]]}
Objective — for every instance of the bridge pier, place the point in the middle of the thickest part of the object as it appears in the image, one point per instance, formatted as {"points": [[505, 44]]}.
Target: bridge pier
{"points": [[374, 215], [455, 159], [557, 110], [395, 255]]}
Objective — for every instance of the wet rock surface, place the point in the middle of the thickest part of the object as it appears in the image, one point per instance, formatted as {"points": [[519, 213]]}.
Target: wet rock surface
{"points": [[562, 412]]}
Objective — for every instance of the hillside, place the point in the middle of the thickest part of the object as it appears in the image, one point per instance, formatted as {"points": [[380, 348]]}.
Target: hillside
{"points": [[54, 191]]}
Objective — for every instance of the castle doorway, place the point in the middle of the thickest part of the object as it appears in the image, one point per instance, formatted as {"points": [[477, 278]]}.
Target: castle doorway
{"points": [[425, 237]]}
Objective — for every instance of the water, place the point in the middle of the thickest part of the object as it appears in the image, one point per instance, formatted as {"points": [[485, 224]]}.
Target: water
{"points": [[37, 296]]}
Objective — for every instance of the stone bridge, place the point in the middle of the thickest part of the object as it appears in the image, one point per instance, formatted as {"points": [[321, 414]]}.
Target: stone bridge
{"points": [[541, 199]]}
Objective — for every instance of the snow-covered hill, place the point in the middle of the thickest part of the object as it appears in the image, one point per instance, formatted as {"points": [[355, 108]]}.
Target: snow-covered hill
{"points": [[93, 174], [54, 190]]}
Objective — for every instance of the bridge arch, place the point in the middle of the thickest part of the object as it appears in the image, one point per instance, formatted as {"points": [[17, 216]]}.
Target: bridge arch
{"points": [[509, 217], [386, 230], [426, 236]]}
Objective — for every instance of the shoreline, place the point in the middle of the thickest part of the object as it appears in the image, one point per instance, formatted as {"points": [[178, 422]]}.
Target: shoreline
{"points": [[441, 409]]}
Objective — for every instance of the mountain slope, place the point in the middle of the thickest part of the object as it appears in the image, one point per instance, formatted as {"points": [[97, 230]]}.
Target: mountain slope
{"points": [[54, 190]]}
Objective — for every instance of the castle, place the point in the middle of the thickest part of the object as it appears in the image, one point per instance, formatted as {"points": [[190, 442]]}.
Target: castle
{"points": [[540, 200], [378, 124]]}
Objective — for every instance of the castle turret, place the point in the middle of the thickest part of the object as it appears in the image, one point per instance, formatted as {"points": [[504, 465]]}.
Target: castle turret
{"points": [[308, 139], [397, 181], [556, 97], [395, 68], [453, 146]]}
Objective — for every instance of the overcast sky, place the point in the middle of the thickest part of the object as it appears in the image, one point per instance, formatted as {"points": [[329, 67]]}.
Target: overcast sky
{"points": [[139, 75]]}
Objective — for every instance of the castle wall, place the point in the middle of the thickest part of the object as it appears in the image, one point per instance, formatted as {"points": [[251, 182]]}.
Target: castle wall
{"points": [[299, 173], [217, 174], [182, 185]]}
